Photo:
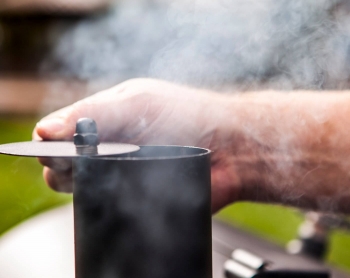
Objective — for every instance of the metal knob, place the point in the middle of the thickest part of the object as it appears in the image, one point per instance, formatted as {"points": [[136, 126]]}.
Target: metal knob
{"points": [[86, 137]]}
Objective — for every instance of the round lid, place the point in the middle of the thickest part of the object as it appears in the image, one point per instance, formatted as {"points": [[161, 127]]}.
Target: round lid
{"points": [[62, 149]]}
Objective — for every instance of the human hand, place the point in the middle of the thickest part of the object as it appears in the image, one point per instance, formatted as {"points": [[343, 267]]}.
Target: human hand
{"points": [[146, 111]]}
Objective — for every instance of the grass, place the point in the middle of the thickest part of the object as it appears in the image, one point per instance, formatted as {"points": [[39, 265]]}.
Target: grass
{"points": [[23, 193]]}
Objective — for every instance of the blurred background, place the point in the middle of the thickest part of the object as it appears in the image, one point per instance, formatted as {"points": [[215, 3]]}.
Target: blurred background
{"points": [[53, 53]]}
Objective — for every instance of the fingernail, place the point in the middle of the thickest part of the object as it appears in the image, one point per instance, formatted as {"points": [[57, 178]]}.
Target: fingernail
{"points": [[52, 126]]}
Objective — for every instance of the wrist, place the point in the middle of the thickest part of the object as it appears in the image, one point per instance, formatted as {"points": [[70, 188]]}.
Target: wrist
{"points": [[233, 166], [245, 148]]}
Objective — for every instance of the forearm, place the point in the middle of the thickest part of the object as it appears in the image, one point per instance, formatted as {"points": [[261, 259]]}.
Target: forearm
{"points": [[292, 148], [289, 148]]}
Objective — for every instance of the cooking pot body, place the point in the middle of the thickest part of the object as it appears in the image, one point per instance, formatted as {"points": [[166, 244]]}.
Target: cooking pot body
{"points": [[144, 214]]}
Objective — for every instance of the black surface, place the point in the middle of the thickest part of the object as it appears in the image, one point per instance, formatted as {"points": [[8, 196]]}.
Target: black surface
{"points": [[227, 238], [146, 214], [61, 149]]}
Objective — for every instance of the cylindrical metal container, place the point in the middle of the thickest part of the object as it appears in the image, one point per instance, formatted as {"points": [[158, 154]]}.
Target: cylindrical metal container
{"points": [[145, 214]]}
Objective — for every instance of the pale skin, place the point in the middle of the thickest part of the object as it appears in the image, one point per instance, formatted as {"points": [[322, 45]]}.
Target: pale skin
{"points": [[288, 148]]}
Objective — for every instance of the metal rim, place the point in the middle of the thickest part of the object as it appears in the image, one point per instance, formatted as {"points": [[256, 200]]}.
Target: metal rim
{"points": [[203, 152]]}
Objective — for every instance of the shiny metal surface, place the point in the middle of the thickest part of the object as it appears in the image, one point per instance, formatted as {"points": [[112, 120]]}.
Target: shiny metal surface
{"points": [[227, 238], [61, 149]]}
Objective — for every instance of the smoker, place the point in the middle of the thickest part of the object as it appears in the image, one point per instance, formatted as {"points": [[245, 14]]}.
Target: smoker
{"points": [[138, 211], [144, 211]]}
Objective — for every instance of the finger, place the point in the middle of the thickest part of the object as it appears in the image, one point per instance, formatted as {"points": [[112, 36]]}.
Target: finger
{"points": [[35, 136], [57, 126], [56, 164], [103, 107], [60, 181]]}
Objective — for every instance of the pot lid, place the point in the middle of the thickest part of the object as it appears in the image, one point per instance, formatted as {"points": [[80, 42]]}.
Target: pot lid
{"points": [[62, 149], [86, 142]]}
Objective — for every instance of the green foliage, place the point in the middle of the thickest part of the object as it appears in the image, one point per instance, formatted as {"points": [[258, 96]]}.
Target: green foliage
{"points": [[275, 223], [22, 189], [339, 252]]}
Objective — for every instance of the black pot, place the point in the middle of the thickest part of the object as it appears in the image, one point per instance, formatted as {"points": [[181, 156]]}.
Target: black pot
{"points": [[145, 214]]}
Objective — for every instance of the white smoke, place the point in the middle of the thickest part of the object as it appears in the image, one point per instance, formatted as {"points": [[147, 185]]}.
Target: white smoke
{"points": [[242, 45]]}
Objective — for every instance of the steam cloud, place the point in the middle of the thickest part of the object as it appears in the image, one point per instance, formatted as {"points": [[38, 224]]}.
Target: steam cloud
{"points": [[226, 45], [218, 44]]}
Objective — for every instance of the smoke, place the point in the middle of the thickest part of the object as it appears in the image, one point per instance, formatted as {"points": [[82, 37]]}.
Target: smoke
{"points": [[150, 206], [226, 45], [218, 44]]}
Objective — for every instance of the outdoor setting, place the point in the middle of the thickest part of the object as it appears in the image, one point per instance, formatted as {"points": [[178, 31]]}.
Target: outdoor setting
{"points": [[156, 181]]}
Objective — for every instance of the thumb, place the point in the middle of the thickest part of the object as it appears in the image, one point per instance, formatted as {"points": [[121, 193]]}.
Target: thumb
{"points": [[103, 107], [57, 126]]}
